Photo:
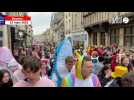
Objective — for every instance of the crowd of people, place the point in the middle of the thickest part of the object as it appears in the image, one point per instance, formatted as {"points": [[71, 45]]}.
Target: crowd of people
{"points": [[94, 67]]}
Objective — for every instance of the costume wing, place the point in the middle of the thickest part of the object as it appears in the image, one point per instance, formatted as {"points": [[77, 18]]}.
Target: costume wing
{"points": [[63, 50]]}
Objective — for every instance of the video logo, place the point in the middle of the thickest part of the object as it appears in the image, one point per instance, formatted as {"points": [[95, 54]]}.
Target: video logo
{"points": [[18, 20], [120, 20]]}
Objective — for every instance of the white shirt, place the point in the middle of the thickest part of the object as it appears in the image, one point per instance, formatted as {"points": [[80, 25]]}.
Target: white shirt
{"points": [[84, 83], [109, 83]]}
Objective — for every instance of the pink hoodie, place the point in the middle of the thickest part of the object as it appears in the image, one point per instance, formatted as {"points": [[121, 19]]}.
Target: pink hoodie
{"points": [[43, 82]]}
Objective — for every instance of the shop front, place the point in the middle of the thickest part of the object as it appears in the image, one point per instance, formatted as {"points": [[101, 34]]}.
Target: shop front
{"points": [[98, 34], [123, 34]]}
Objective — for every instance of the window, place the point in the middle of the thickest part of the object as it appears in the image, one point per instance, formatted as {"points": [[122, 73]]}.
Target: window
{"points": [[129, 36], [72, 22], [69, 23], [102, 39], [95, 38], [81, 19], [111, 36], [114, 36], [97, 17], [89, 35], [117, 36], [1, 43], [66, 16], [132, 35], [1, 34]]}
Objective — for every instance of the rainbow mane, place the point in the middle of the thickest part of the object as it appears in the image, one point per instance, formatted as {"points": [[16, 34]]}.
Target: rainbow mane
{"points": [[78, 66]]}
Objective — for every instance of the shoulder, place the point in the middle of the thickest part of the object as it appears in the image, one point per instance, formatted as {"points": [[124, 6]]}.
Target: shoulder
{"points": [[47, 82], [94, 75], [20, 83], [17, 72]]}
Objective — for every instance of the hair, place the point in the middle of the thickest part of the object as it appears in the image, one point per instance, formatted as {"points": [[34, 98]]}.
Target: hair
{"points": [[102, 72], [123, 49], [101, 59], [33, 48], [86, 58], [68, 59], [132, 62], [21, 60], [94, 53], [131, 65], [31, 63], [123, 59], [128, 80], [10, 82]]}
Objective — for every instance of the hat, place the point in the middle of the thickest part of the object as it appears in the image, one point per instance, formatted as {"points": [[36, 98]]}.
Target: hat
{"points": [[120, 71]]}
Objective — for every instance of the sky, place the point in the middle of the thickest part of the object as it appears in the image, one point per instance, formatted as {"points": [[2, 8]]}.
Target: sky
{"points": [[40, 21]]}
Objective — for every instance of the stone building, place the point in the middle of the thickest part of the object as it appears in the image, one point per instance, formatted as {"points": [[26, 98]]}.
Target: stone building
{"points": [[106, 28]]}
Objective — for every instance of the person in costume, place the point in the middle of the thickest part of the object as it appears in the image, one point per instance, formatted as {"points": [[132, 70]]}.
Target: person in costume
{"points": [[83, 76], [69, 61], [63, 50]]}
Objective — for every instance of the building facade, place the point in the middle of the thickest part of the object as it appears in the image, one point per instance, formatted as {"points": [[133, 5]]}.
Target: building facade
{"points": [[68, 22], [48, 36], [73, 22], [57, 26], [18, 35], [29, 37], [103, 31], [3, 33]]}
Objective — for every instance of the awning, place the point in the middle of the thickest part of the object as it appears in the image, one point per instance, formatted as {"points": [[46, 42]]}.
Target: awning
{"points": [[102, 27]]}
